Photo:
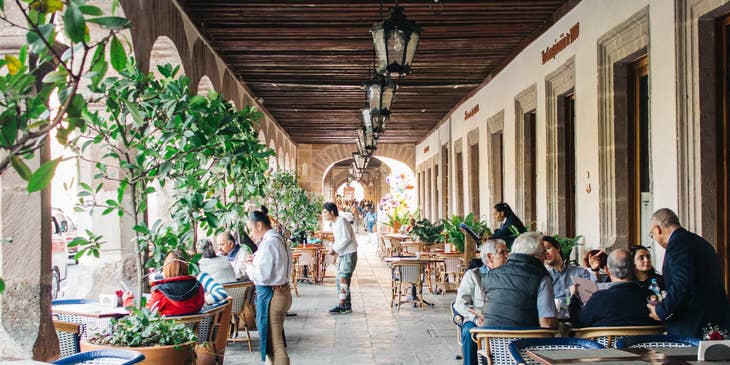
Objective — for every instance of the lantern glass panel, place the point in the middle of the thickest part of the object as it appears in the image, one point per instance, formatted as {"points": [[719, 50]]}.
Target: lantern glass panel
{"points": [[379, 44], [367, 118], [412, 45], [396, 47]]}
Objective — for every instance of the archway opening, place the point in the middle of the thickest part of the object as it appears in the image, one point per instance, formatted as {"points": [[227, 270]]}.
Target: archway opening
{"points": [[351, 191]]}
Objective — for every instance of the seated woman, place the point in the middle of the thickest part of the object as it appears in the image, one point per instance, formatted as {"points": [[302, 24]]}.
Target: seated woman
{"points": [[178, 293], [643, 270], [216, 266], [411, 225], [214, 292], [595, 261], [506, 218]]}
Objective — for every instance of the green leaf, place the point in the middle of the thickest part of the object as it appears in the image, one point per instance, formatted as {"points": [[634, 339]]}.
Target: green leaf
{"points": [[2, 283], [74, 23], [91, 10], [2, 10], [55, 76], [20, 167], [8, 128], [117, 54], [42, 177], [111, 22], [136, 115]]}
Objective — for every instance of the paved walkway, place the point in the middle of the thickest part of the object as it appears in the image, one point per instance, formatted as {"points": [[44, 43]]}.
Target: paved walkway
{"points": [[372, 334]]}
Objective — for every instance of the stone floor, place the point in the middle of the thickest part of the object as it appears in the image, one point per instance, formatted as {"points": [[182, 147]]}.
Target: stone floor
{"points": [[372, 334]]}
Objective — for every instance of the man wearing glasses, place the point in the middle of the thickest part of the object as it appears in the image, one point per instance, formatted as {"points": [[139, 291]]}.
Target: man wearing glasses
{"points": [[695, 292]]}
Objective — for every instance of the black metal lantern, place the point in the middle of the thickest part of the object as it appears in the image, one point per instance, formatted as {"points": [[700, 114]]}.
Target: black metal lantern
{"points": [[367, 141], [360, 161], [380, 93], [395, 40]]}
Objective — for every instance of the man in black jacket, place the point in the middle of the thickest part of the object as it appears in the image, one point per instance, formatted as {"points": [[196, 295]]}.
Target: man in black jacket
{"points": [[695, 292], [623, 304]]}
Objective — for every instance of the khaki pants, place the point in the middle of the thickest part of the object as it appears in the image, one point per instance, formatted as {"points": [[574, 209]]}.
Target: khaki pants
{"points": [[280, 304]]}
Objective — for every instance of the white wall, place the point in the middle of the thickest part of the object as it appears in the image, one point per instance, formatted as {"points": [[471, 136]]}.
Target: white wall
{"points": [[596, 18]]}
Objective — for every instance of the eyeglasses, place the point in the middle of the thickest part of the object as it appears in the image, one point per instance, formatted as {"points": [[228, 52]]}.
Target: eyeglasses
{"points": [[651, 231]]}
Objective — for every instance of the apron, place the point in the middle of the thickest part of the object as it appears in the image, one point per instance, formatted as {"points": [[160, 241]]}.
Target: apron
{"points": [[263, 299]]}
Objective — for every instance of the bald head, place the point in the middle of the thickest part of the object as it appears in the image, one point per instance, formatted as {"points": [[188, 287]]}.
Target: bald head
{"points": [[620, 265]]}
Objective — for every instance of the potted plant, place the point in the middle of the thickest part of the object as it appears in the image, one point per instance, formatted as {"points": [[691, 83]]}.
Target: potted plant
{"points": [[454, 234], [426, 231], [162, 340], [294, 209], [396, 218]]}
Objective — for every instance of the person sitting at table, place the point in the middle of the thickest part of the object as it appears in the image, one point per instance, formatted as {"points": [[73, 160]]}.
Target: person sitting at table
{"points": [[237, 254], [506, 218], [411, 225], [622, 304], [216, 266], [178, 293], [643, 270], [214, 291], [595, 261], [560, 270], [470, 295], [520, 292]]}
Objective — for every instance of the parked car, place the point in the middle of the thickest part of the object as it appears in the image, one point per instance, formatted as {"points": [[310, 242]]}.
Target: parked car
{"points": [[59, 257], [68, 228]]}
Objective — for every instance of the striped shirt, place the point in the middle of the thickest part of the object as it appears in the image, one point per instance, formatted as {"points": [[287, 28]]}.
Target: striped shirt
{"points": [[214, 292]]}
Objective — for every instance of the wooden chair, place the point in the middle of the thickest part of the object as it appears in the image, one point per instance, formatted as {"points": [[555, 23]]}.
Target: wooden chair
{"points": [[395, 244], [327, 260], [308, 257], [242, 294], [607, 336], [458, 320], [69, 337], [380, 251], [388, 246], [450, 274], [493, 342], [406, 273], [518, 349]]}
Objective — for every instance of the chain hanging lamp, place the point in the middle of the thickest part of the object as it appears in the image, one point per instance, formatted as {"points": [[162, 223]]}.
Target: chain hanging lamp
{"points": [[395, 40], [380, 94]]}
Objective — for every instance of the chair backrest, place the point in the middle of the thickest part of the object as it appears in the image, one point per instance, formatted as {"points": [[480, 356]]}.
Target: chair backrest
{"points": [[408, 272], [394, 242], [493, 342], [307, 256], [387, 243], [607, 336], [205, 323], [237, 291], [457, 318], [656, 342], [518, 349], [103, 357], [453, 265], [69, 337]]}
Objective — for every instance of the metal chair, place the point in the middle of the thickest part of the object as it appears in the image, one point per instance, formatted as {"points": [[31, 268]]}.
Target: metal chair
{"points": [[69, 337], [518, 349], [656, 342], [458, 320], [451, 272], [493, 342], [242, 294], [406, 273], [607, 336], [207, 326], [103, 357]]}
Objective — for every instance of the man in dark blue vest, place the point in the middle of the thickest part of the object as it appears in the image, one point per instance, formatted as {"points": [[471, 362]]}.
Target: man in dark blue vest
{"points": [[520, 292], [695, 293]]}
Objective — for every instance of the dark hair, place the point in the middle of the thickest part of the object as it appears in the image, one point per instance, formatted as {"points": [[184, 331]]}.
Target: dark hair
{"points": [[259, 216], [206, 248], [474, 263], [504, 208], [332, 208], [551, 240], [246, 240], [634, 250], [264, 210], [601, 255]]}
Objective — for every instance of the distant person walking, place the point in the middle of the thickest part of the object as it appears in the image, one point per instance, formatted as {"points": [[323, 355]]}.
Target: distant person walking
{"points": [[345, 246]]}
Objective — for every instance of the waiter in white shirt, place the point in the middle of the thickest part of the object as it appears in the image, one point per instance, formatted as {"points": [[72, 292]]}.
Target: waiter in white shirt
{"points": [[269, 270], [345, 246]]}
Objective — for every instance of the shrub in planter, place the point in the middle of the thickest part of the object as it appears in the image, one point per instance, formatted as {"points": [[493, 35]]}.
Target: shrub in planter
{"points": [[426, 231]]}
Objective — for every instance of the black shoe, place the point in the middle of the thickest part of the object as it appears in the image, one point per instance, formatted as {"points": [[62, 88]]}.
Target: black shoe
{"points": [[340, 310]]}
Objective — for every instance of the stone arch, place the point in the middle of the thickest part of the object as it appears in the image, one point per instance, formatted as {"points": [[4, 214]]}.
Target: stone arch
{"points": [[165, 52], [205, 86], [272, 159], [262, 136], [230, 89], [280, 157], [287, 165]]}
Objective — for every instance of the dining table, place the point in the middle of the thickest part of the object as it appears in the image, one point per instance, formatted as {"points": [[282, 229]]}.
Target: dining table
{"points": [[632, 356], [92, 316]]}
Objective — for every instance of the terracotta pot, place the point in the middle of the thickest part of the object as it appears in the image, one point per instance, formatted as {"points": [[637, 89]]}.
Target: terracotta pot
{"points": [[155, 355], [396, 227]]}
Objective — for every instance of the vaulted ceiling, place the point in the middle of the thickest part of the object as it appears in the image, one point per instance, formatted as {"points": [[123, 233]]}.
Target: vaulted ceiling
{"points": [[308, 60]]}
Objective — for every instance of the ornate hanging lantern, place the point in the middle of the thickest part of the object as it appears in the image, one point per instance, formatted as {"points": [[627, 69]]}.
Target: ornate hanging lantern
{"points": [[380, 93], [395, 40]]}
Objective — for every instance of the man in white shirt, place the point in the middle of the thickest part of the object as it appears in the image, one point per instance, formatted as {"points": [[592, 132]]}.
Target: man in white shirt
{"points": [[237, 255], [345, 246]]}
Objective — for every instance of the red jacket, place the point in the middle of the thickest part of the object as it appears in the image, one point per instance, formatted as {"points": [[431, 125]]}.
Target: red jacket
{"points": [[177, 296]]}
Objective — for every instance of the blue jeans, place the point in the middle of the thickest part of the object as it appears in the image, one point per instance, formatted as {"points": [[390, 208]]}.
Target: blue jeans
{"points": [[371, 225], [468, 347]]}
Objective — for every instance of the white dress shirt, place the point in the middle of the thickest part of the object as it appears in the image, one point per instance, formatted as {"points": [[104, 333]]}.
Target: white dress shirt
{"points": [[344, 237], [272, 261]]}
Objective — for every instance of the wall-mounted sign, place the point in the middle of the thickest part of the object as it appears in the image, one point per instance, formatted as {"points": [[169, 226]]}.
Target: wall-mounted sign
{"points": [[561, 43], [426, 149], [471, 112]]}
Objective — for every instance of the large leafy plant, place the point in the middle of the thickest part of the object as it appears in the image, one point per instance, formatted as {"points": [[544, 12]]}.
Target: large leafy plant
{"points": [[144, 328], [567, 244], [290, 205], [426, 231], [454, 234]]}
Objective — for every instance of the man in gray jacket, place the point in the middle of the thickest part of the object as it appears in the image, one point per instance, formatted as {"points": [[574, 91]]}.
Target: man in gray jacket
{"points": [[470, 296]]}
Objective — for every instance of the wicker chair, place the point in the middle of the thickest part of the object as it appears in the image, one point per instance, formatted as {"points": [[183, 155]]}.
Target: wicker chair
{"points": [[243, 295], [493, 342], [89, 325], [308, 258], [406, 273], [656, 342], [69, 337], [518, 349], [451, 273], [607, 336], [103, 357], [207, 326]]}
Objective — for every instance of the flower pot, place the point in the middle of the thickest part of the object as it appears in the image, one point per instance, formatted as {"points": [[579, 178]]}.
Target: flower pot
{"points": [[396, 227], [154, 355]]}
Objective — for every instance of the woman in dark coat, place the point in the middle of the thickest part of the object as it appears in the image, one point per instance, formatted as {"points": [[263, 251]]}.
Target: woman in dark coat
{"points": [[503, 214]]}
